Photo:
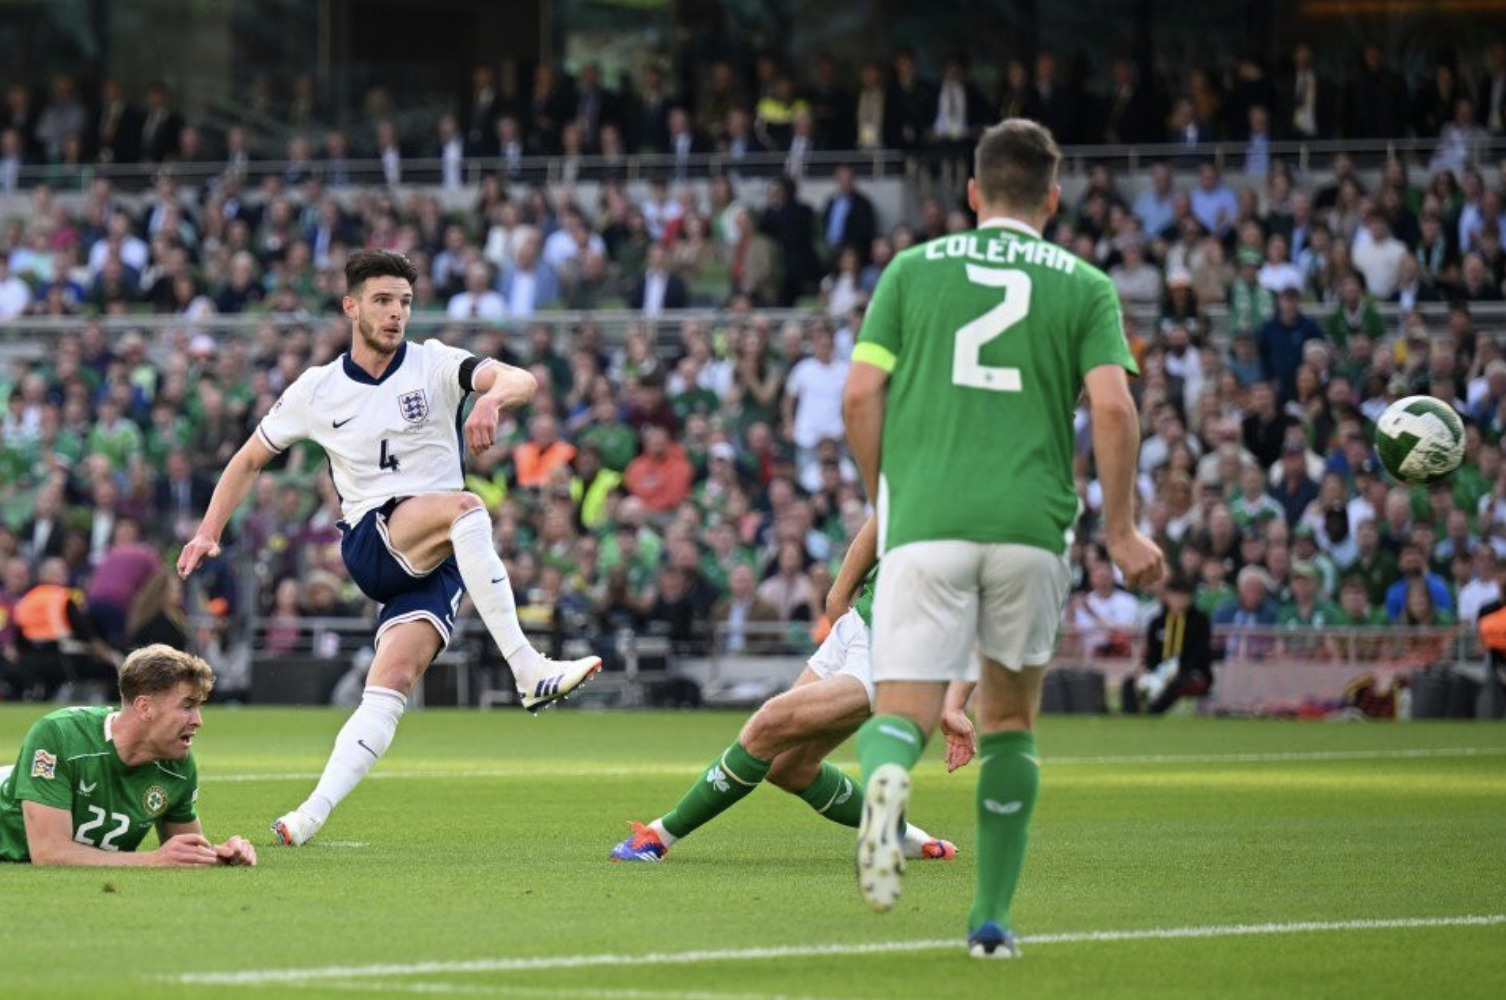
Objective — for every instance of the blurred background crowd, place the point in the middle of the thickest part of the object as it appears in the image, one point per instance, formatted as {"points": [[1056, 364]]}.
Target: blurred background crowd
{"points": [[686, 475]]}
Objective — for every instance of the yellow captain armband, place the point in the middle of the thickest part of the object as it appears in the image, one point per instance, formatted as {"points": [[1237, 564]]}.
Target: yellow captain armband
{"points": [[872, 354]]}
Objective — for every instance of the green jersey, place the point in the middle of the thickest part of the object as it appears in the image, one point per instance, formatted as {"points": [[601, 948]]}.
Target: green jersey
{"points": [[1323, 613], [986, 336], [68, 761], [863, 602]]}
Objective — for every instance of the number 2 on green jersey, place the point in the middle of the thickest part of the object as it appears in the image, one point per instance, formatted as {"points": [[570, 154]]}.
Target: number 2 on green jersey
{"points": [[967, 369]]}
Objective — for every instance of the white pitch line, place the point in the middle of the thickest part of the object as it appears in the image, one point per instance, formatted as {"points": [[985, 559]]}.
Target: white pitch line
{"points": [[337, 972], [649, 770], [541, 992], [1281, 757]]}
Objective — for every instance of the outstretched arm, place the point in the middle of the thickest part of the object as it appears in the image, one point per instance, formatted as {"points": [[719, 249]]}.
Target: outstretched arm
{"points": [[49, 840], [861, 555], [232, 489], [502, 387]]}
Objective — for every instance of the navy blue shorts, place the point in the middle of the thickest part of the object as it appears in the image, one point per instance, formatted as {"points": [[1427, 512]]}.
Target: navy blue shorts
{"points": [[383, 575]]}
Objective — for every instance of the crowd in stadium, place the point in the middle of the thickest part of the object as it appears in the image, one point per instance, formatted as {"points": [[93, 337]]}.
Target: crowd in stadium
{"points": [[695, 473]]}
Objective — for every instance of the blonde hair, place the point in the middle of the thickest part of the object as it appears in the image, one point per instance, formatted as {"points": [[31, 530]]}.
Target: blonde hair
{"points": [[157, 668]]}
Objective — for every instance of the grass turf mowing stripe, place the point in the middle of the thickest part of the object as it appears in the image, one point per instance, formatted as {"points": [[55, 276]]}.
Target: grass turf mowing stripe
{"points": [[258, 977], [544, 992], [691, 768]]}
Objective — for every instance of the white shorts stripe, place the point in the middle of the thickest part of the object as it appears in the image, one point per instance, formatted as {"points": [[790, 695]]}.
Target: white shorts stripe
{"points": [[398, 557], [415, 616]]}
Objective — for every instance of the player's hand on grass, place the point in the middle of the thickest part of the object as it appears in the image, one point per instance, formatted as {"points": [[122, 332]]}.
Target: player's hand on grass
{"points": [[1138, 558], [481, 425], [961, 740], [196, 551], [186, 850], [236, 851]]}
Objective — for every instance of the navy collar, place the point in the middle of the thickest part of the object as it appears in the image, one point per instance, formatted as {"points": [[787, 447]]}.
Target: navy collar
{"points": [[356, 373]]}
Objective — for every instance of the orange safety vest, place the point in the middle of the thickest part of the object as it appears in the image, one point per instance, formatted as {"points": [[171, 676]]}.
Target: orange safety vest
{"points": [[42, 614], [1492, 628], [535, 465]]}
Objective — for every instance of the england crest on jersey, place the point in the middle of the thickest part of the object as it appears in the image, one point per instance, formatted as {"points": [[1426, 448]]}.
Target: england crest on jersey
{"points": [[415, 406]]}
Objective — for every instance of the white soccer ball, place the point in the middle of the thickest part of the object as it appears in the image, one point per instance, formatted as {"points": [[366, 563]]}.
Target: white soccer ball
{"points": [[1420, 439]]}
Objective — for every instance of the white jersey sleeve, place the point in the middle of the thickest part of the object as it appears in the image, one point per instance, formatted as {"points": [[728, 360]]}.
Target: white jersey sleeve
{"points": [[454, 372], [288, 421]]}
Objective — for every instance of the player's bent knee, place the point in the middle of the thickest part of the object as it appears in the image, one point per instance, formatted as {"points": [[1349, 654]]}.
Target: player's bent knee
{"points": [[465, 502], [771, 726]]}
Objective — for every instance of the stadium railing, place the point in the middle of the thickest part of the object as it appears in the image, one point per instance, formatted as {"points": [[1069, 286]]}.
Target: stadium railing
{"points": [[419, 171], [430, 172], [1262, 670], [33, 336]]}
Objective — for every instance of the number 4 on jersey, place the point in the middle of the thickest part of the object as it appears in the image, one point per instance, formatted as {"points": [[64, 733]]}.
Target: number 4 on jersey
{"points": [[967, 369], [389, 461]]}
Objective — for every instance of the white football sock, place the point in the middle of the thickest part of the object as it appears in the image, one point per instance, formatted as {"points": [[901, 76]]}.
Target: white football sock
{"points": [[658, 827], [486, 581], [365, 737], [915, 839]]}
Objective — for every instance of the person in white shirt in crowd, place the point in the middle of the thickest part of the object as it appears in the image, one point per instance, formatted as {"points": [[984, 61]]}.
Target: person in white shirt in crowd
{"points": [[1278, 272], [130, 248], [1377, 255], [1213, 202], [507, 232], [1170, 432], [389, 153], [510, 146], [572, 240], [530, 284], [1106, 614], [1155, 206], [1461, 142], [1183, 361], [1258, 152], [1483, 586], [660, 211], [451, 154], [813, 399], [1137, 281], [15, 294], [479, 301]]}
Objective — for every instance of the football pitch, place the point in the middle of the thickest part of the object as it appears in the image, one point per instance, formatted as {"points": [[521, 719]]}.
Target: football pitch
{"points": [[1171, 858]]}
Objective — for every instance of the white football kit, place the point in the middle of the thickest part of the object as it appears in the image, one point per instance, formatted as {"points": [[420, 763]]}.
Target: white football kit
{"points": [[396, 436]]}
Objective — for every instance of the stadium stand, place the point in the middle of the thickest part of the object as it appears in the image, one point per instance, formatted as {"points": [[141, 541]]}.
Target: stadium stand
{"points": [[685, 275]]}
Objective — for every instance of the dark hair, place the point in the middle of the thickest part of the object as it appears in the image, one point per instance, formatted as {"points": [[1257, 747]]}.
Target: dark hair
{"points": [[364, 264], [1016, 164], [1179, 584]]}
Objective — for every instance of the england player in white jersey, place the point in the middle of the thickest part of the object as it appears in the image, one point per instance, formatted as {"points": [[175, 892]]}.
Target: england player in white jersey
{"points": [[389, 415]]}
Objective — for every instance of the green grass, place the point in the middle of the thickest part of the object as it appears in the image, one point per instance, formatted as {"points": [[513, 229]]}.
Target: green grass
{"points": [[484, 838]]}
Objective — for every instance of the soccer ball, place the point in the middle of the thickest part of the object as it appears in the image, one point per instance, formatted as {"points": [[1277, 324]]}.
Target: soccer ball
{"points": [[1420, 439]]}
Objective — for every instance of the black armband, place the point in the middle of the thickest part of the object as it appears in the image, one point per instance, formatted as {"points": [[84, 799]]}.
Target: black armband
{"points": [[468, 373]]}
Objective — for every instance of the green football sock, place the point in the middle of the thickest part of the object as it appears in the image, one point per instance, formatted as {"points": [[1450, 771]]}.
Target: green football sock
{"points": [[835, 796], [720, 787], [1008, 780], [889, 739]]}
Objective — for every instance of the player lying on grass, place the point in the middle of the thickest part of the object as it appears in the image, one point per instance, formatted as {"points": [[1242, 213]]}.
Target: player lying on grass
{"points": [[90, 783], [386, 414], [787, 740]]}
